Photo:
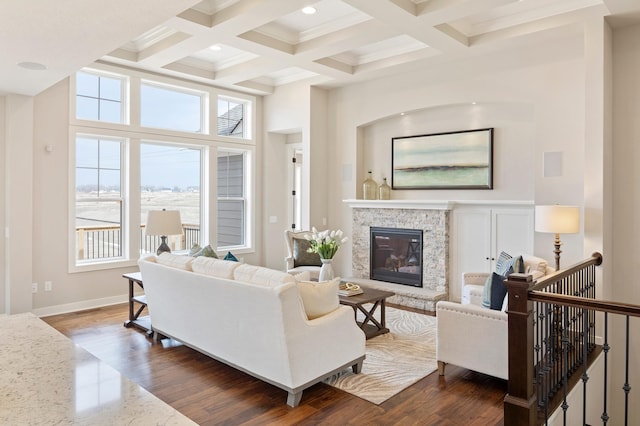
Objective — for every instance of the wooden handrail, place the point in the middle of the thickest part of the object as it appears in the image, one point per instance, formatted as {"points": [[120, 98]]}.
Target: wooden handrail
{"points": [[595, 259], [591, 304]]}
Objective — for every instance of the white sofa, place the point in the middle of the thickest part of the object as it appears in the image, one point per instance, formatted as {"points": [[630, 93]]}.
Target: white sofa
{"points": [[251, 318], [475, 337]]}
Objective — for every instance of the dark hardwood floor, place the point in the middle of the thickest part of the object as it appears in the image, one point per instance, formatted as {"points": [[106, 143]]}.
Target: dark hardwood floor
{"points": [[211, 393]]}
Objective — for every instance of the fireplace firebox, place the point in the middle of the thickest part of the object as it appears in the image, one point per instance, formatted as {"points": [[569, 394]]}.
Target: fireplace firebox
{"points": [[396, 255]]}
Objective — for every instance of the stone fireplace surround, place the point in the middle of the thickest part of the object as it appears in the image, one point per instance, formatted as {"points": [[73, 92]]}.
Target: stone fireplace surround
{"points": [[433, 218]]}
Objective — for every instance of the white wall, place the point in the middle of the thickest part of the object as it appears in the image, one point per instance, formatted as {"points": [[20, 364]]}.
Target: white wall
{"points": [[50, 206], [626, 201], [536, 104], [3, 288], [295, 108], [18, 181]]}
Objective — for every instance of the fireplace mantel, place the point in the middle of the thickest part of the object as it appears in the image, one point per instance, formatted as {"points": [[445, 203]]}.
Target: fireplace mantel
{"points": [[401, 204], [432, 204]]}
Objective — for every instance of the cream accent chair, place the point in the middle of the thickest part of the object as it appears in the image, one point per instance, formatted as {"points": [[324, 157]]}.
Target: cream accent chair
{"points": [[474, 337], [297, 262]]}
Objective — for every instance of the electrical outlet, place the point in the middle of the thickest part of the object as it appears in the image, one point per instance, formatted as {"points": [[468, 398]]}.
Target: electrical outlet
{"points": [[48, 286], [34, 287]]}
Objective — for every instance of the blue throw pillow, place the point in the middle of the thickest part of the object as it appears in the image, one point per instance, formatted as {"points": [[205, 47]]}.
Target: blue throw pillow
{"points": [[494, 291], [231, 257]]}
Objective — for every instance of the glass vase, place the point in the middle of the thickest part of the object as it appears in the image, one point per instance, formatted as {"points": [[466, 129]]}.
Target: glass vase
{"points": [[384, 190], [326, 270], [369, 188]]}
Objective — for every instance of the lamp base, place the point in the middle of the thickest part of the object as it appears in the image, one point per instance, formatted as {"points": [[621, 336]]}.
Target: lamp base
{"points": [[557, 251], [163, 246]]}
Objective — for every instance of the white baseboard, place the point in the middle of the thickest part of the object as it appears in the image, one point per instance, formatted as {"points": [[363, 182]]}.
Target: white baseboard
{"points": [[80, 306]]}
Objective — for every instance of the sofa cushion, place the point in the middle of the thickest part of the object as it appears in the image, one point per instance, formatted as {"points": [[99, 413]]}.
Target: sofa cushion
{"points": [[533, 263], [302, 276], [206, 251], [175, 260], [229, 256], [194, 249], [494, 292], [262, 276], [301, 255], [319, 298], [501, 263], [214, 267], [506, 262]]}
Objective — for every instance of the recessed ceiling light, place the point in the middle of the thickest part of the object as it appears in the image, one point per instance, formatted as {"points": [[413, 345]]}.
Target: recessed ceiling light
{"points": [[309, 10], [474, 103], [402, 113], [215, 47], [35, 66]]}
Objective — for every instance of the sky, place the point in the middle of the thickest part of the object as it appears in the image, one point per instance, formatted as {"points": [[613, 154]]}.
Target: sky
{"points": [[98, 160]]}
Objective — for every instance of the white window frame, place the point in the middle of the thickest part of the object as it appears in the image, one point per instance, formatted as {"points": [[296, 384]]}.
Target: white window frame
{"points": [[124, 95], [75, 264], [204, 185], [247, 117], [204, 102], [247, 198], [134, 133]]}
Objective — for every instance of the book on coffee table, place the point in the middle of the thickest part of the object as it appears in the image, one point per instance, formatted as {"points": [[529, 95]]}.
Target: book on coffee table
{"points": [[349, 289]]}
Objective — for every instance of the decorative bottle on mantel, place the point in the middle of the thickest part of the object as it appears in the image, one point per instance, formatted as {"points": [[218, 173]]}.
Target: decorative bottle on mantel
{"points": [[369, 188], [384, 190]]}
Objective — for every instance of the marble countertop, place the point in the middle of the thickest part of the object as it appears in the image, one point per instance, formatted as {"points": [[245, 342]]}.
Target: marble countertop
{"points": [[46, 379]]}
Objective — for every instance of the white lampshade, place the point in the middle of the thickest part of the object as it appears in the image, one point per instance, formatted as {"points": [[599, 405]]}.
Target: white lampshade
{"points": [[557, 219], [163, 222]]}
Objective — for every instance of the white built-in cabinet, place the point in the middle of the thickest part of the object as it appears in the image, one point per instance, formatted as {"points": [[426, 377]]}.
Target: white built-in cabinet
{"points": [[480, 233]]}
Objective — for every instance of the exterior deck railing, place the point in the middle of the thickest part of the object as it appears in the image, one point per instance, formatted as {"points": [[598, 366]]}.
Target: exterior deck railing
{"points": [[103, 242]]}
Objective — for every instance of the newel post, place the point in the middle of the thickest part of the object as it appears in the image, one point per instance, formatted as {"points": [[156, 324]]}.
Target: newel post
{"points": [[520, 403]]}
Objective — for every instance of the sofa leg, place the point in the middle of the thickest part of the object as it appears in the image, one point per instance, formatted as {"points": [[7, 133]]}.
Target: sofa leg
{"points": [[293, 399], [357, 368], [441, 366]]}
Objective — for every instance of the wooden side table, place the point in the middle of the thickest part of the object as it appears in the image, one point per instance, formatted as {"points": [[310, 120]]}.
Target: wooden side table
{"points": [[135, 320], [370, 325]]}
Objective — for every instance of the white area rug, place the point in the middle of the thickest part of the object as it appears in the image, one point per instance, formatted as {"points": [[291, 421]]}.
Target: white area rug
{"points": [[395, 360]]}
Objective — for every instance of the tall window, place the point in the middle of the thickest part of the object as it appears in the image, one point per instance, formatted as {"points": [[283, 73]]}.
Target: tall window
{"points": [[170, 178], [231, 198], [170, 108], [100, 97], [99, 200], [151, 152], [231, 117]]}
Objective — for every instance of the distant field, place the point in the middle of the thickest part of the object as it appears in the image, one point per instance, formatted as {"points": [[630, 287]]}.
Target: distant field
{"points": [[103, 214]]}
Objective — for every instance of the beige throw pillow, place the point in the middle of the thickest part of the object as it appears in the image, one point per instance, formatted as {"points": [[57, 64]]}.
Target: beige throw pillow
{"points": [[319, 298]]}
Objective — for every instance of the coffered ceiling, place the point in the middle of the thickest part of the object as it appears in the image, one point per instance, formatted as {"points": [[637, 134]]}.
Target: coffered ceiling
{"points": [[257, 45]]}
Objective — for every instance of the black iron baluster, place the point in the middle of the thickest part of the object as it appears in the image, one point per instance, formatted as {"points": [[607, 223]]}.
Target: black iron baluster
{"points": [[565, 372], [605, 349], [626, 386], [585, 376]]}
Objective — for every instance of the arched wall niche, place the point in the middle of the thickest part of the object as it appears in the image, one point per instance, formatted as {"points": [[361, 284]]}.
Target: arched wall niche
{"points": [[513, 146]]}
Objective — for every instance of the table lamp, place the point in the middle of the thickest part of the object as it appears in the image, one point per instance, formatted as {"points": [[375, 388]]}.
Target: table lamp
{"points": [[557, 220], [163, 222]]}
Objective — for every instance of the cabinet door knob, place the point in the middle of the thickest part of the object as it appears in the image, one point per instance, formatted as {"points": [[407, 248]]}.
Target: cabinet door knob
{"points": [[493, 258], [487, 258]]}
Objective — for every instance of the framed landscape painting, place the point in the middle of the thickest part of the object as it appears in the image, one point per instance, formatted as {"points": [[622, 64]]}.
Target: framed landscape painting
{"points": [[454, 160]]}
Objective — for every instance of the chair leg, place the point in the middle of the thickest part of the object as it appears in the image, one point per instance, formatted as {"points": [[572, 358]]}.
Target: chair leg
{"points": [[441, 366], [357, 368]]}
